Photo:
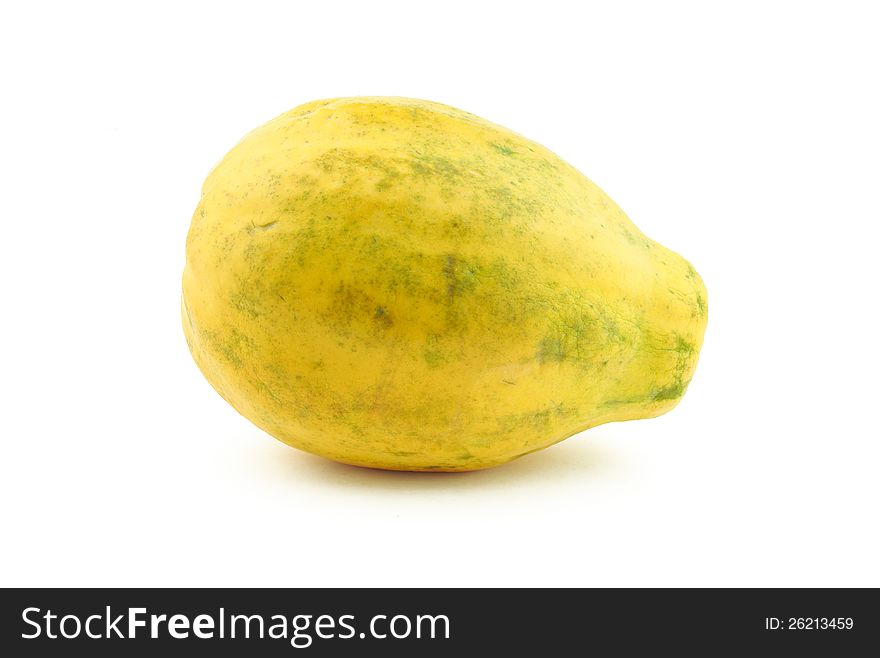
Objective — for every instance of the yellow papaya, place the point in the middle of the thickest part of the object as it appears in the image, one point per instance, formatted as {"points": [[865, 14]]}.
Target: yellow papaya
{"points": [[399, 284]]}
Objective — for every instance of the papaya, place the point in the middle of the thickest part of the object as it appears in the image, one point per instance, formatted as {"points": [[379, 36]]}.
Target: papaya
{"points": [[399, 284]]}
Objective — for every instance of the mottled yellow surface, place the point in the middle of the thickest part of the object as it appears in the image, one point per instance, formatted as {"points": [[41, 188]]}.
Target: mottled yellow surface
{"points": [[399, 284]]}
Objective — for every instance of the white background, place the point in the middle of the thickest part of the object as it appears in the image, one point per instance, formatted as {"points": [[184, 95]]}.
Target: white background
{"points": [[746, 138]]}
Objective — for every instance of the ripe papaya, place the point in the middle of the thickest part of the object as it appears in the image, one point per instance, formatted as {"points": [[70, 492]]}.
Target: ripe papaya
{"points": [[399, 284]]}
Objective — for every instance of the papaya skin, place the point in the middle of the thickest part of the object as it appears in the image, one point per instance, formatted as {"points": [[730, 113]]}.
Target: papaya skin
{"points": [[398, 284]]}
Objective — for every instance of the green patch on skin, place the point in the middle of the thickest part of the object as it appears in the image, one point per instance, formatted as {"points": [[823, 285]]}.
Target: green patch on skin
{"points": [[433, 354], [245, 304], [372, 245], [350, 305], [539, 419], [426, 165], [701, 305], [351, 166], [461, 276], [504, 203], [671, 392], [394, 272], [516, 294], [682, 346], [582, 333], [229, 350], [267, 392], [508, 204], [433, 358], [612, 404], [346, 300], [611, 328], [563, 411], [391, 176], [382, 317], [684, 350], [551, 350], [632, 239], [503, 150]]}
